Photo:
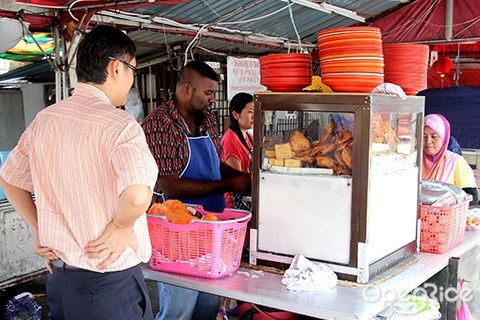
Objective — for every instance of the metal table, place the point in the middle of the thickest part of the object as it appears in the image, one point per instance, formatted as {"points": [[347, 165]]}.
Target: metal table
{"points": [[341, 302]]}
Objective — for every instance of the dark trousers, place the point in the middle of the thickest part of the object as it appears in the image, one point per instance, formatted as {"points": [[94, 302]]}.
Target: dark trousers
{"points": [[81, 294]]}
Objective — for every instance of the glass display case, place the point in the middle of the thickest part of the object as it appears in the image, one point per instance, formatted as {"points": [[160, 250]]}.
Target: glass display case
{"points": [[336, 178]]}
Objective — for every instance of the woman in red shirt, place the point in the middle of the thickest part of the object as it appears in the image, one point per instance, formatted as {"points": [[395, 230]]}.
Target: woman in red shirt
{"points": [[237, 143]]}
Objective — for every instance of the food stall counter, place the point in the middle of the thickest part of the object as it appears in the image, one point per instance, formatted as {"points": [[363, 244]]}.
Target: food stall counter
{"points": [[354, 301]]}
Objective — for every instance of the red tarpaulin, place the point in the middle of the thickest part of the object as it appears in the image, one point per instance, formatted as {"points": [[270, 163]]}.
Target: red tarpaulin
{"points": [[63, 3], [424, 21], [468, 77], [45, 20], [470, 50]]}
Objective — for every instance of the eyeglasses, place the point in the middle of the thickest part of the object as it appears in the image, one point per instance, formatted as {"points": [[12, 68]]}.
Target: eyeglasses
{"points": [[134, 69]]}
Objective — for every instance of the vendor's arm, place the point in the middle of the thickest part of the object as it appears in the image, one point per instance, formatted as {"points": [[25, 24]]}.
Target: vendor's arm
{"points": [[175, 187], [228, 171]]}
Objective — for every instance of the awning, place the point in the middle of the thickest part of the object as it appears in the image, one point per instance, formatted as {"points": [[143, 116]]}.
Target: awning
{"points": [[42, 68], [425, 21]]}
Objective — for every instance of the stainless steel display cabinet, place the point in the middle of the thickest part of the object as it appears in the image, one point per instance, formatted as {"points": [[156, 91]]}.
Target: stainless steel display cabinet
{"points": [[336, 178]]}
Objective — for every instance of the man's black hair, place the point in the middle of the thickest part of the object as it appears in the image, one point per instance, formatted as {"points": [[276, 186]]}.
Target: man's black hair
{"points": [[95, 49]]}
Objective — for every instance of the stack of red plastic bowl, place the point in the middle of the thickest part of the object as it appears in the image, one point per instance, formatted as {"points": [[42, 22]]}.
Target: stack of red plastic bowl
{"points": [[406, 65], [286, 72], [351, 58]]}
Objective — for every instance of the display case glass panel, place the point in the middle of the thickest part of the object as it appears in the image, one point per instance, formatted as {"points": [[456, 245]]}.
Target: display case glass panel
{"points": [[336, 178]]}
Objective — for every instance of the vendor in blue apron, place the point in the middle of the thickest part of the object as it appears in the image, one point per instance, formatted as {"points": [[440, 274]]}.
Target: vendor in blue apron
{"points": [[184, 139]]}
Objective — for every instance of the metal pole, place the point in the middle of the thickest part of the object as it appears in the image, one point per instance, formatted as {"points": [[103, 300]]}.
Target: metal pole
{"points": [[64, 69], [58, 72], [448, 20]]}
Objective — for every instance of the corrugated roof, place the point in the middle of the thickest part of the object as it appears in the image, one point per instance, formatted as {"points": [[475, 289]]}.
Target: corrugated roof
{"points": [[226, 27], [307, 20], [239, 27]]}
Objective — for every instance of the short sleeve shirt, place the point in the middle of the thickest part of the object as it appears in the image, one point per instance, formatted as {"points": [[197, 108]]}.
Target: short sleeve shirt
{"points": [[167, 137], [463, 176], [78, 156], [233, 147]]}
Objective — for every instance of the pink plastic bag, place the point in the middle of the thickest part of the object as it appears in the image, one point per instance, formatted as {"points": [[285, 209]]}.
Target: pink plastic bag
{"points": [[463, 313]]}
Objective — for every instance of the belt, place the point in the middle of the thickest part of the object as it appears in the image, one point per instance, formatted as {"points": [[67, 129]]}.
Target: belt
{"points": [[60, 264]]}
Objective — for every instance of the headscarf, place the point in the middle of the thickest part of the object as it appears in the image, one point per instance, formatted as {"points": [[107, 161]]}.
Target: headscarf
{"points": [[441, 165]]}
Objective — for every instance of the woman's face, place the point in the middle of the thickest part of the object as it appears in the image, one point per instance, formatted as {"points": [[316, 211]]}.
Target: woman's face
{"points": [[245, 118], [432, 142]]}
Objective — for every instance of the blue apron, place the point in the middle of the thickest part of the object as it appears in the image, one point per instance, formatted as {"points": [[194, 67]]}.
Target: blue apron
{"points": [[203, 164]]}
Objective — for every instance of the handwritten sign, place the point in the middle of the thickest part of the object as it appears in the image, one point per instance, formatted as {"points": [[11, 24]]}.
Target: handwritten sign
{"points": [[243, 75]]}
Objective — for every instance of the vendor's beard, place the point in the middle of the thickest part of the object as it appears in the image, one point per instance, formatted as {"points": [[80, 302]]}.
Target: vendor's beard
{"points": [[199, 117]]}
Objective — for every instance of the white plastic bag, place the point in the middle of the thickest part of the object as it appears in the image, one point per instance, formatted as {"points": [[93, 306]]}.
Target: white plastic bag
{"points": [[134, 104], [304, 275]]}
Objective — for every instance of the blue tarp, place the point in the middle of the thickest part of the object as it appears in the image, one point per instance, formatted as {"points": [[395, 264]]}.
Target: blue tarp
{"points": [[461, 106]]}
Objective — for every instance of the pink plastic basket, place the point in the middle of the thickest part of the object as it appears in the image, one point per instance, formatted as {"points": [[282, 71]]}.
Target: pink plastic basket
{"points": [[442, 228], [202, 248]]}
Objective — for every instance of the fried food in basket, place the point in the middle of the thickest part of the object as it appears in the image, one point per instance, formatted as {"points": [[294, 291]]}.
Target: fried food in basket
{"points": [[175, 205], [158, 208], [175, 211], [299, 142]]}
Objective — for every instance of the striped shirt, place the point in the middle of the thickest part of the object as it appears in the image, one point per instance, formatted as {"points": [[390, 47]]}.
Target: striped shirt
{"points": [[78, 156], [167, 133]]}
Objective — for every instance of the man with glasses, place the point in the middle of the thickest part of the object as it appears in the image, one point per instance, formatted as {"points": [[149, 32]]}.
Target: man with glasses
{"points": [[184, 139], [92, 173], [128, 64]]}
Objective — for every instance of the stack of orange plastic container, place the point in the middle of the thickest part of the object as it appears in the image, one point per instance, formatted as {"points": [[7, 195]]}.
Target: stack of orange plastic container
{"points": [[286, 72], [351, 58], [406, 65]]}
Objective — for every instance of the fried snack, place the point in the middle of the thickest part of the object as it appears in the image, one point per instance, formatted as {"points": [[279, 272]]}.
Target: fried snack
{"points": [[324, 162], [322, 149], [327, 132], [270, 153], [158, 208], [339, 159], [276, 162], [347, 157], [345, 135], [299, 142], [303, 153], [283, 151], [293, 163], [384, 133], [306, 158]]}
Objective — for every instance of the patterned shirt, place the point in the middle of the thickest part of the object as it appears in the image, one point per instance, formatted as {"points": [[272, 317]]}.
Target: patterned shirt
{"points": [[166, 132], [78, 156]]}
